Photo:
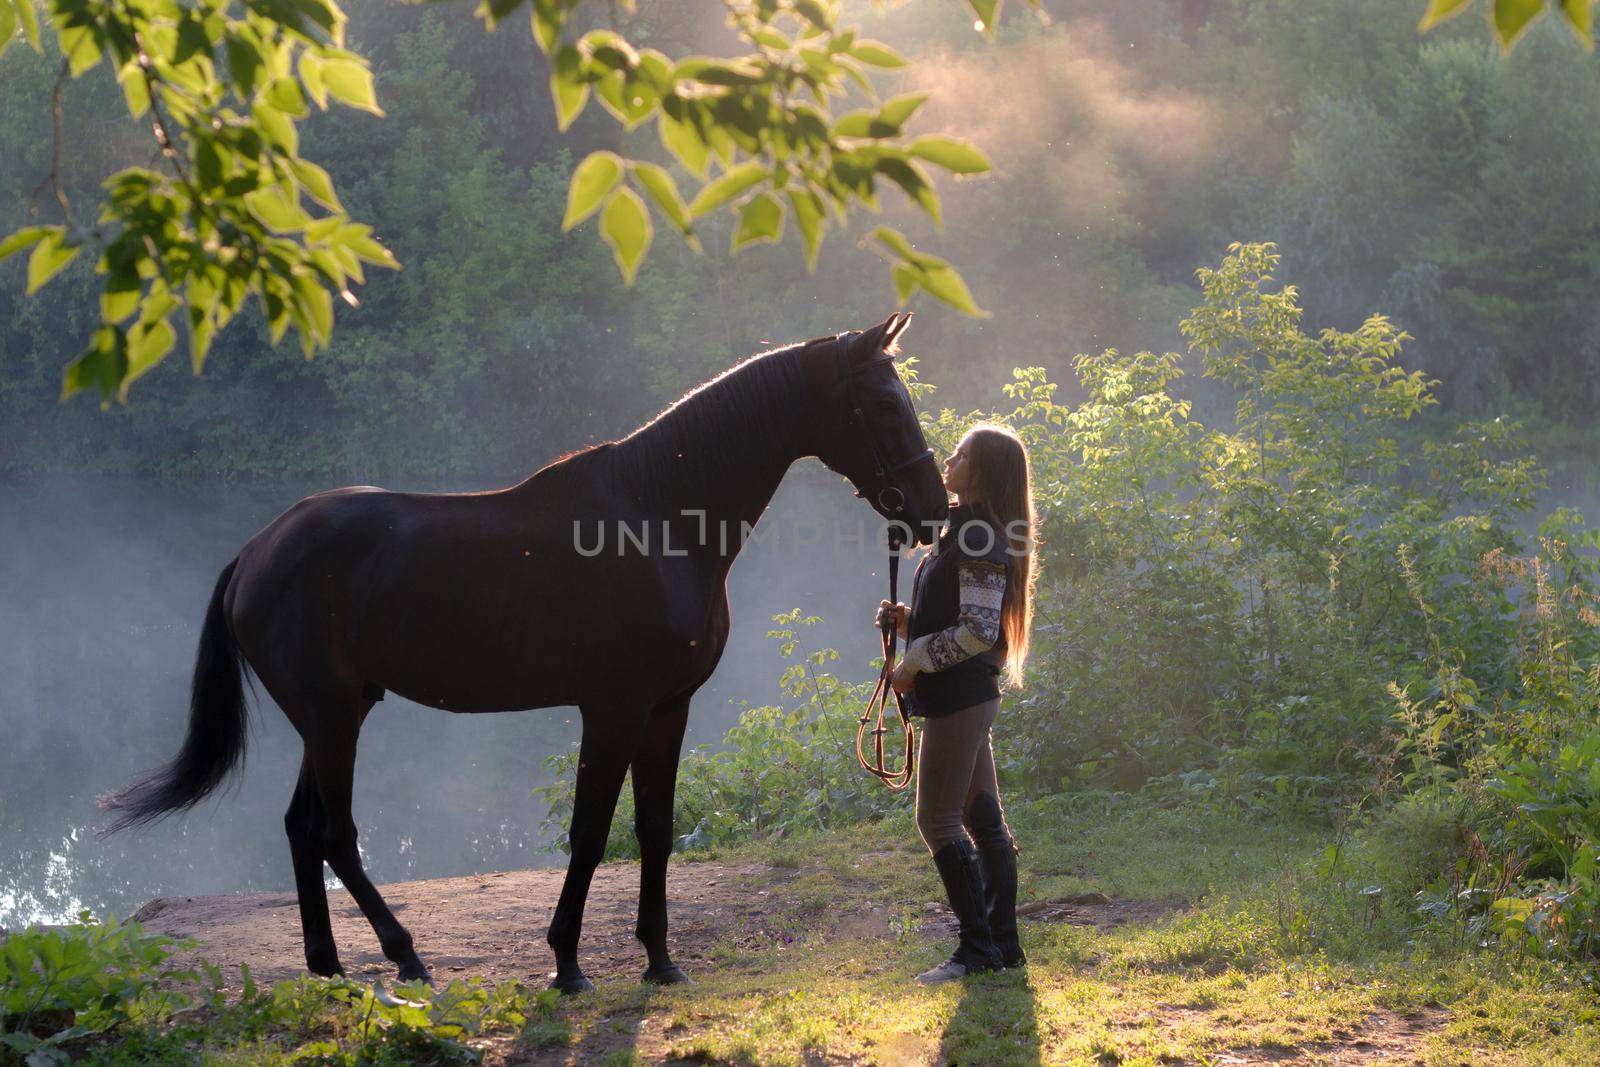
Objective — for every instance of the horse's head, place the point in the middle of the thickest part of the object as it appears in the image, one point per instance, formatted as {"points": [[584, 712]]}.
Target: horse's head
{"points": [[867, 430]]}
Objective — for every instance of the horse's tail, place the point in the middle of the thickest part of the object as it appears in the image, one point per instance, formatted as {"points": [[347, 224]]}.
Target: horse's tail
{"points": [[218, 723]]}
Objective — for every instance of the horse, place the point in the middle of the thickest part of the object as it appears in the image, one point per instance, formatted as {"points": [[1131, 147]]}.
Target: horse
{"points": [[499, 601]]}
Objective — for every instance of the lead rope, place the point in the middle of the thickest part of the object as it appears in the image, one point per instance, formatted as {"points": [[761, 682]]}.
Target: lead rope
{"points": [[895, 780]]}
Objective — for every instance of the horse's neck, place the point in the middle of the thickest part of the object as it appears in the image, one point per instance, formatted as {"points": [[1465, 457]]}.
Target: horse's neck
{"points": [[712, 463]]}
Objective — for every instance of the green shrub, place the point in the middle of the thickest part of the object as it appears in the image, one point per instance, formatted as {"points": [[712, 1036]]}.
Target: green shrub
{"points": [[61, 985]]}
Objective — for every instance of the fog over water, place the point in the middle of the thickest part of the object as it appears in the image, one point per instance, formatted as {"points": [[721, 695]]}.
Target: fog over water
{"points": [[103, 585]]}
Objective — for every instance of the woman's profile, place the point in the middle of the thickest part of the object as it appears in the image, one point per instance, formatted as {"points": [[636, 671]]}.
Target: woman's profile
{"points": [[967, 630]]}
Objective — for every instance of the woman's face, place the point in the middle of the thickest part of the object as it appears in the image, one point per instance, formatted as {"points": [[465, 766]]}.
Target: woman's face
{"points": [[958, 470]]}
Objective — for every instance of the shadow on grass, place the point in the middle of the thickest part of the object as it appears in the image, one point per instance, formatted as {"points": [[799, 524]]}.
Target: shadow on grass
{"points": [[996, 1022]]}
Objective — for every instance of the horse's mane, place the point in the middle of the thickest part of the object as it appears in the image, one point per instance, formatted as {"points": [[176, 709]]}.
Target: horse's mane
{"points": [[723, 416]]}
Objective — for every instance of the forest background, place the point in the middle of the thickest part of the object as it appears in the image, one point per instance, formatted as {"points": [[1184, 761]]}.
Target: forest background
{"points": [[1423, 177]]}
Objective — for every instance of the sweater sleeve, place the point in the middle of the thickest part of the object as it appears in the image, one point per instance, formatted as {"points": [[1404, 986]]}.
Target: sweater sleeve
{"points": [[982, 590]]}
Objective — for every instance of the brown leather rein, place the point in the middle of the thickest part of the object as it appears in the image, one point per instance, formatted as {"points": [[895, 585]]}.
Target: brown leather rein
{"points": [[901, 778]]}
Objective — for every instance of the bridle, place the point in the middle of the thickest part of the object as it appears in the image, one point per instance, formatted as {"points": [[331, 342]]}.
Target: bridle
{"points": [[889, 497], [892, 500], [876, 703]]}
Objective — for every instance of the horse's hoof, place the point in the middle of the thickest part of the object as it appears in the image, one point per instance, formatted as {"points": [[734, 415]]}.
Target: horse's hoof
{"points": [[414, 971], [326, 968], [572, 985], [671, 974]]}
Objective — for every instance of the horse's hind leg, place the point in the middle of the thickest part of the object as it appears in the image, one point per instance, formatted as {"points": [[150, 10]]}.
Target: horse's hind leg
{"points": [[655, 779], [303, 822], [603, 756], [333, 759]]}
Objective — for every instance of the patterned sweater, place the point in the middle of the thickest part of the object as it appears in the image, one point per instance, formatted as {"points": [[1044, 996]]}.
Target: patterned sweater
{"points": [[982, 586]]}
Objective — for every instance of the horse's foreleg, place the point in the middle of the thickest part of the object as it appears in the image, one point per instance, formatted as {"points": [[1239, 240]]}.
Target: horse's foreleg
{"points": [[655, 778], [303, 823], [607, 747], [334, 762]]}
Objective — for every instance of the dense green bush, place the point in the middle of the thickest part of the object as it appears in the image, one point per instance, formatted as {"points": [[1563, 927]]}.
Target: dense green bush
{"points": [[109, 993], [1232, 596]]}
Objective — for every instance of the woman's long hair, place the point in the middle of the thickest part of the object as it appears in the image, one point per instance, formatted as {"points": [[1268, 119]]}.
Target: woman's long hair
{"points": [[1000, 488]]}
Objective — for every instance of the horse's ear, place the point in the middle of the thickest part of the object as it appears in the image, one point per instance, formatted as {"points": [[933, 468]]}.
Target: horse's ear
{"points": [[894, 329], [869, 343]]}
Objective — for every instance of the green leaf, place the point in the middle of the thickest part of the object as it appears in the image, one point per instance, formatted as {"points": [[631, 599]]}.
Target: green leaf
{"points": [[1439, 10], [81, 45], [148, 345], [895, 241], [26, 237], [349, 81], [549, 16], [951, 153], [912, 179], [1580, 17], [244, 66], [30, 24], [760, 219], [567, 85], [930, 273], [767, 37], [679, 136], [135, 90], [946, 285], [593, 179], [278, 127], [120, 297], [856, 123], [664, 191], [315, 181], [608, 50], [284, 94], [987, 12], [725, 188], [877, 54], [815, 12], [192, 39], [493, 12], [8, 23], [315, 303], [50, 254], [201, 333], [1511, 19], [626, 97], [102, 365], [906, 279], [897, 110], [625, 224], [276, 211], [208, 166], [809, 217], [311, 78]]}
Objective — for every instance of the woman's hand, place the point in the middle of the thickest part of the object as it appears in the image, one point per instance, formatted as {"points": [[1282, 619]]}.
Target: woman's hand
{"points": [[904, 678], [898, 613]]}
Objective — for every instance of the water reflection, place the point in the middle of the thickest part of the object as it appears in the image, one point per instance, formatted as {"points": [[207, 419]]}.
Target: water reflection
{"points": [[103, 584]]}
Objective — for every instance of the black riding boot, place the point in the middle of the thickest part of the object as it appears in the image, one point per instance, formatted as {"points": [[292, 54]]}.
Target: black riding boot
{"points": [[998, 854], [963, 884]]}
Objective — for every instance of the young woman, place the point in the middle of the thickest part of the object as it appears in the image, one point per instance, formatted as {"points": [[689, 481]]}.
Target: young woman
{"points": [[966, 630]]}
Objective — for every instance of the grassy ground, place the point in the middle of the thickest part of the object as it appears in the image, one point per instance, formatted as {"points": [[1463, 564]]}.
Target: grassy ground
{"points": [[1250, 950], [1270, 960]]}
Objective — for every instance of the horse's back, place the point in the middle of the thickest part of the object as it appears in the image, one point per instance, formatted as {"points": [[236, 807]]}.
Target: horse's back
{"points": [[471, 601]]}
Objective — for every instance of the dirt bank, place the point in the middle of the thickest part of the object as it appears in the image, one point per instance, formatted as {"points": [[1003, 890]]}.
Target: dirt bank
{"points": [[493, 925]]}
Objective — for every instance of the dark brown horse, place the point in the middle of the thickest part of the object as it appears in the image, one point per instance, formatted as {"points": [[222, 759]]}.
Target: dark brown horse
{"points": [[500, 601]]}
